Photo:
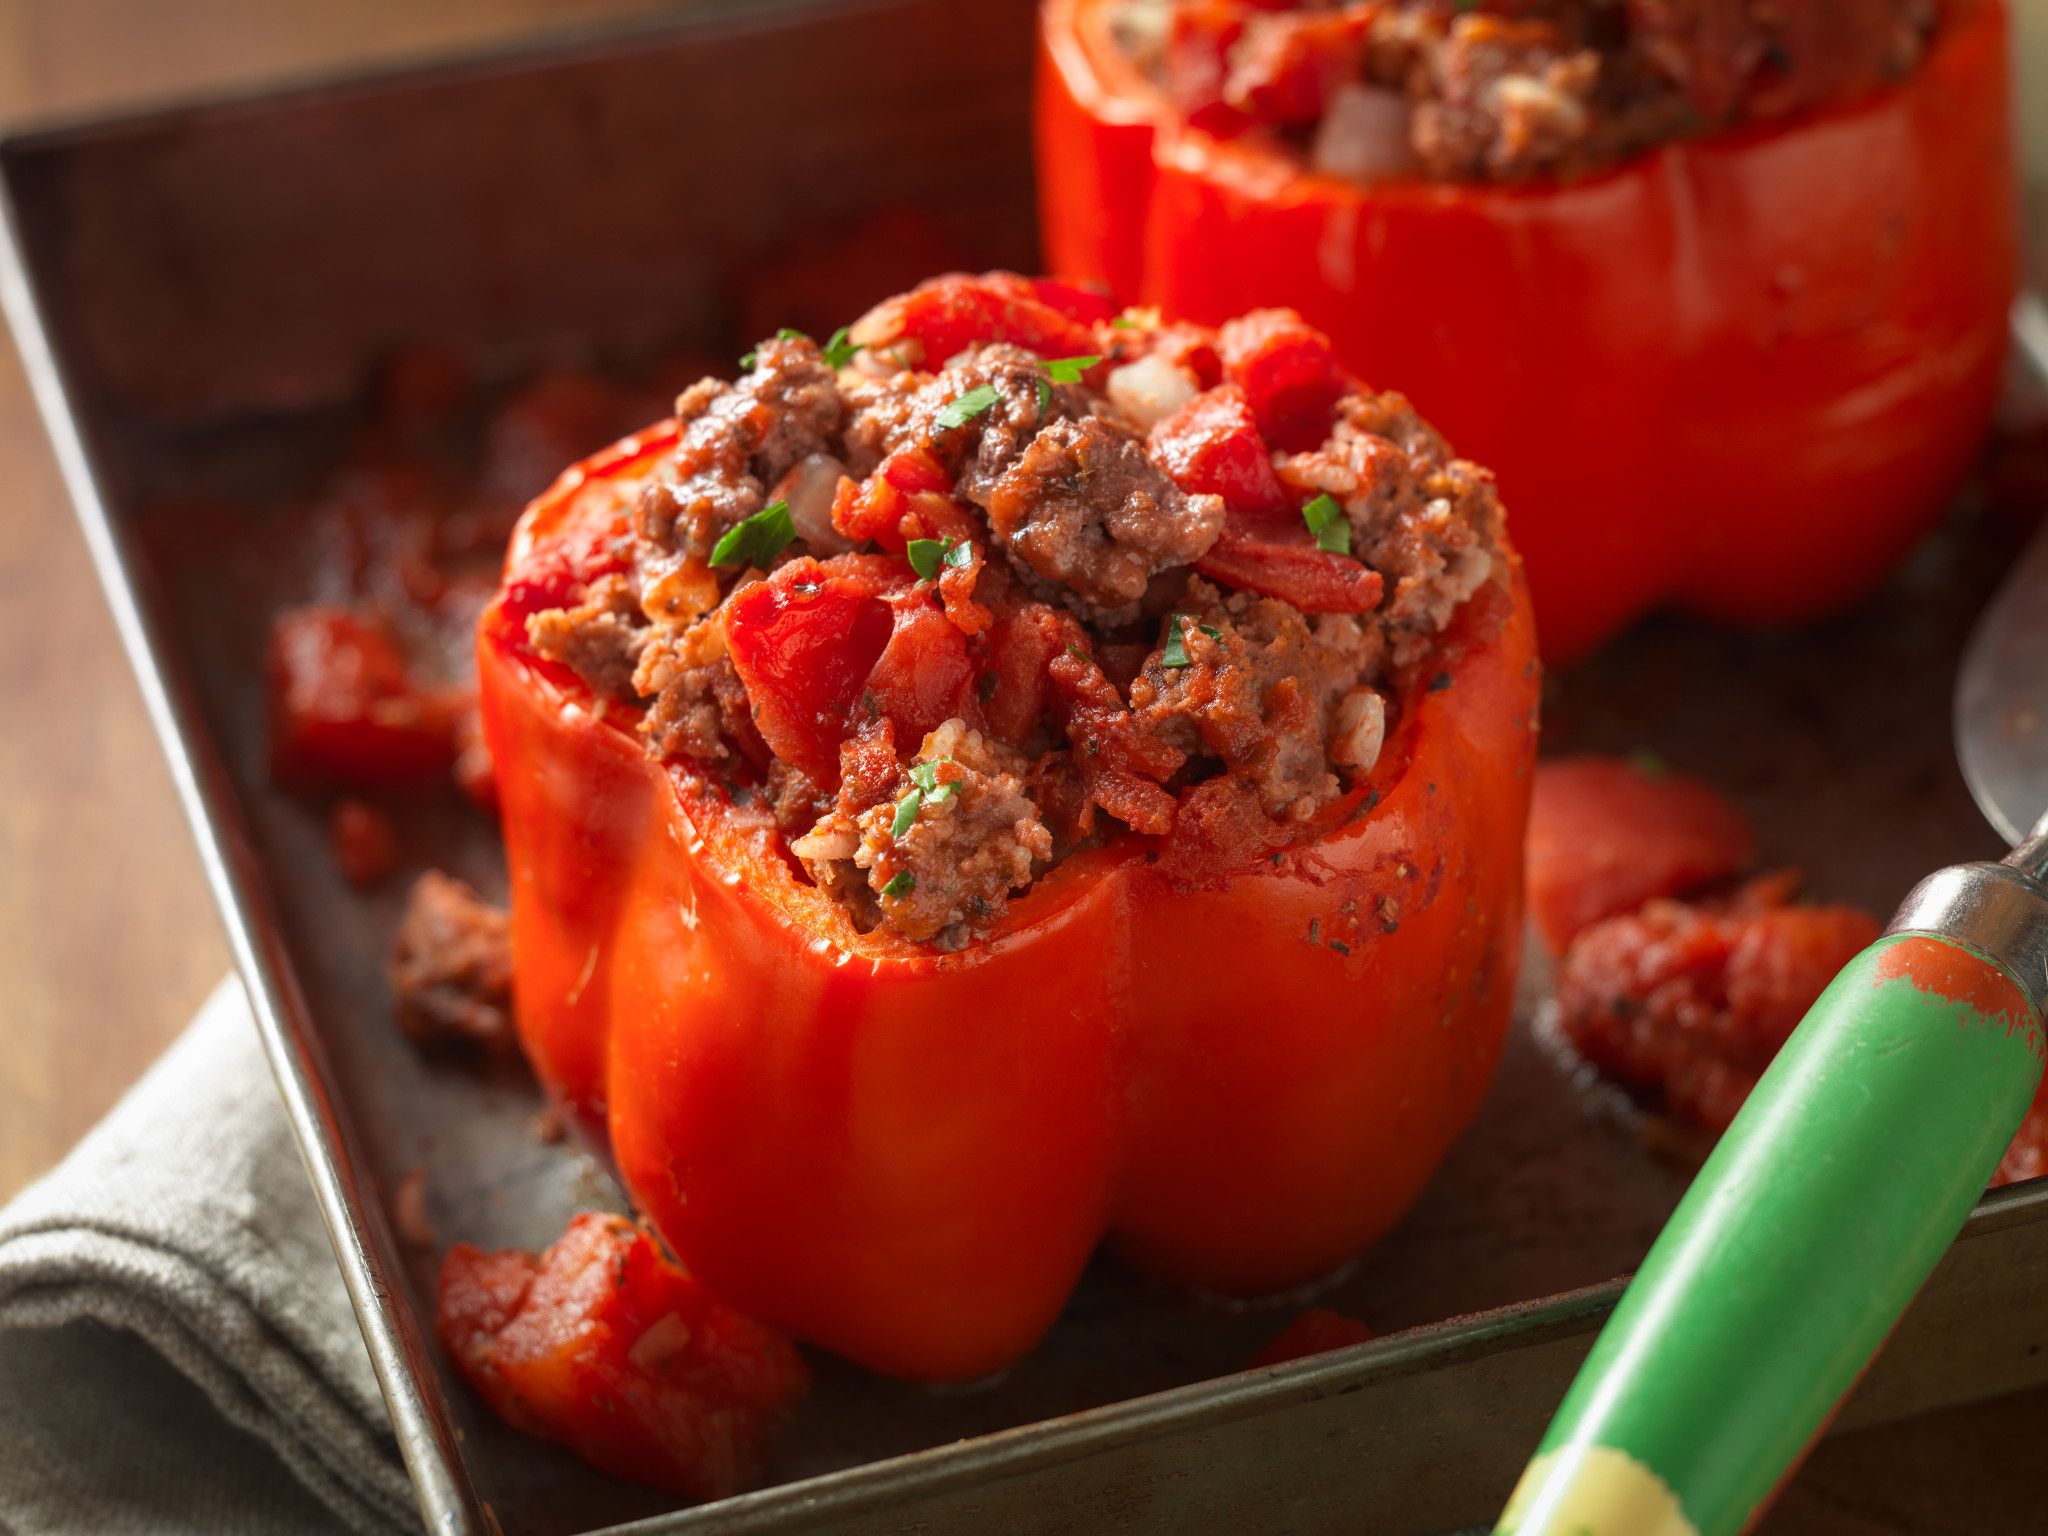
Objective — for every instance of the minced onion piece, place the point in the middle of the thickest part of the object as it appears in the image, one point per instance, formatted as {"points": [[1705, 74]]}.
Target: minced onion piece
{"points": [[809, 488], [1150, 389], [1359, 731], [1364, 135]]}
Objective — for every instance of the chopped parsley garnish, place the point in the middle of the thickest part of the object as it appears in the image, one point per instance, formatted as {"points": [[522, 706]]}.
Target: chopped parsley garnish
{"points": [[755, 540], [1326, 520], [1077, 653], [787, 333], [925, 790], [1044, 397], [928, 555], [1175, 653], [957, 413], [900, 884], [838, 352], [1124, 323], [926, 777], [906, 812], [1068, 370]]}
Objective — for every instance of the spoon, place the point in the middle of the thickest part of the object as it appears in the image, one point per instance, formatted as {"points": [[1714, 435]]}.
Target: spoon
{"points": [[1852, 1165]]}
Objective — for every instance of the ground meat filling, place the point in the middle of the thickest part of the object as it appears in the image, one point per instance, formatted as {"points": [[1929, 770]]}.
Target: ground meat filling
{"points": [[1510, 90], [1085, 509], [1426, 521], [978, 640], [451, 965], [944, 846], [1253, 685]]}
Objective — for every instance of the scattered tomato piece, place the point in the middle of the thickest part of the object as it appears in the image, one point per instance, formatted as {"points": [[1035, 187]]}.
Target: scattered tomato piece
{"points": [[606, 1346], [1314, 580], [1607, 835], [344, 708], [1686, 1003], [1213, 446], [365, 843], [1315, 1332]]}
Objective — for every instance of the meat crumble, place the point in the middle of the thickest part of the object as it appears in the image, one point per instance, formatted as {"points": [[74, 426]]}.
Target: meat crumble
{"points": [[451, 965], [1509, 90], [951, 608]]}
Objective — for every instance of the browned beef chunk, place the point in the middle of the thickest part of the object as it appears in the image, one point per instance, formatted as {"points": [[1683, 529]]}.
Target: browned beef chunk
{"points": [[451, 965]]}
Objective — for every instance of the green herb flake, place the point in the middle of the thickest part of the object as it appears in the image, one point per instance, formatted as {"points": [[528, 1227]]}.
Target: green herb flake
{"points": [[1440, 682], [755, 540], [838, 352], [1340, 946], [928, 556], [1326, 520], [1124, 323], [900, 884], [1175, 651], [957, 413], [1068, 370], [906, 812], [787, 333], [926, 777], [1077, 653], [1044, 397]]}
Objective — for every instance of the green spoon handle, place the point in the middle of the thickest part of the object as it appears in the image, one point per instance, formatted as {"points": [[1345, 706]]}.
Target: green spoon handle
{"points": [[1808, 1231]]}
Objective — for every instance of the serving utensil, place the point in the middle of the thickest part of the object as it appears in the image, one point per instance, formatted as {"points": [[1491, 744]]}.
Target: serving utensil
{"points": [[1851, 1167]]}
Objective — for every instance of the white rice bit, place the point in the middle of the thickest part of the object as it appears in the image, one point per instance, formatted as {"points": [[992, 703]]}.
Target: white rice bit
{"points": [[1150, 390], [1364, 135], [1359, 731]]}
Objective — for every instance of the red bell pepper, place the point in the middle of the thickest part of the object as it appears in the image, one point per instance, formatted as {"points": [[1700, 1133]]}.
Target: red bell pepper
{"points": [[1239, 1072], [1736, 374]]}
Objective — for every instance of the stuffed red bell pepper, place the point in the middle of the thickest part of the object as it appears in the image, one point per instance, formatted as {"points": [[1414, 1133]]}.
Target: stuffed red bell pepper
{"points": [[1718, 289], [1011, 776]]}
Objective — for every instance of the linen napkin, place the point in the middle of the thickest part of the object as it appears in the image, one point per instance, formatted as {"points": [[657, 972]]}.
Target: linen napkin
{"points": [[177, 1353]]}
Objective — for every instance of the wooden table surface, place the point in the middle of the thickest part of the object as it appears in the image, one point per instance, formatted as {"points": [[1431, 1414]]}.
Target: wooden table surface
{"points": [[108, 939]]}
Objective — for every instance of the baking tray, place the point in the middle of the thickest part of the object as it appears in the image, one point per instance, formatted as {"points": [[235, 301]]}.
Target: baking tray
{"points": [[199, 293]]}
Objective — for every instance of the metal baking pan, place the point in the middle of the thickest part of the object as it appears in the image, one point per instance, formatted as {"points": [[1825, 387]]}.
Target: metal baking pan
{"points": [[199, 293]]}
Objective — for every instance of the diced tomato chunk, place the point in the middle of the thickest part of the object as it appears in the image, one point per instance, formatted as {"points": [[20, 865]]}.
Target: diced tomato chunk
{"points": [[1315, 1332], [1022, 644], [1199, 39], [905, 498], [1122, 767], [1077, 301], [364, 842], [1607, 835], [1212, 446], [1286, 67], [345, 710], [1687, 1003], [1314, 580], [554, 572], [605, 1346], [923, 677], [948, 314], [804, 641], [1288, 372]]}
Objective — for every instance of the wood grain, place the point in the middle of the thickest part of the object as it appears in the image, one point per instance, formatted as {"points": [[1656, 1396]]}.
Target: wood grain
{"points": [[108, 939]]}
